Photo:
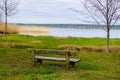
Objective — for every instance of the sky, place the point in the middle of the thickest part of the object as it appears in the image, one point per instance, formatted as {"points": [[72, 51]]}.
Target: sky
{"points": [[48, 12]]}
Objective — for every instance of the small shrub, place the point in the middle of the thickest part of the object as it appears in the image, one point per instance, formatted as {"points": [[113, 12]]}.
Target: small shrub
{"points": [[87, 49], [100, 50]]}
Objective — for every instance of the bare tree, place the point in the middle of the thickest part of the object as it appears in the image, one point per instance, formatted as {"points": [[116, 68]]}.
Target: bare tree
{"points": [[8, 7], [104, 12], [0, 14]]}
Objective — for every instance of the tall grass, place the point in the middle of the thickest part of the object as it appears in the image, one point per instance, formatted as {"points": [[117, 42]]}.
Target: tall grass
{"points": [[12, 28]]}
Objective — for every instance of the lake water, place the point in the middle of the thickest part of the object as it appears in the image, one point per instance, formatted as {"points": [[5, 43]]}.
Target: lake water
{"points": [[76, 32]]}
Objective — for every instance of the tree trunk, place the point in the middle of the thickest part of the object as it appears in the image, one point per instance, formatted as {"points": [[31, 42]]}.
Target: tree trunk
{"points": [[6, 14], [5, 32], [107, 41], [107, 26]]}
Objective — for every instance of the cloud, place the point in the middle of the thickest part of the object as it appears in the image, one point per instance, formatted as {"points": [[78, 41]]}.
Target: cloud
{"points": [[47, 11]]}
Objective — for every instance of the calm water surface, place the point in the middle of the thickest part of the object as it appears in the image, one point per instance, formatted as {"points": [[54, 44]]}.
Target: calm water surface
{"points": [[73, 32]]}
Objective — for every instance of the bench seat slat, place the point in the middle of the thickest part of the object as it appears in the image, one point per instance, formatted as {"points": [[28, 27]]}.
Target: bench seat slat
{"points": [[56, 59]]}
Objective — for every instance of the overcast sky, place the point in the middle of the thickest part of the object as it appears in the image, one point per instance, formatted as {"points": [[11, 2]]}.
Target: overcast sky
{"points": [[47, 11]]}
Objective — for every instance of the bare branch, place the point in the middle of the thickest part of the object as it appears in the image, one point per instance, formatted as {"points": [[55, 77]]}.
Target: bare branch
{"points": [[104, 11], [8, 7]]}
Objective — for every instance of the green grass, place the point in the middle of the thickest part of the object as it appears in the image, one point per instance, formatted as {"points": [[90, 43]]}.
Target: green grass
{"points": [[15, 62], [21, 41]]}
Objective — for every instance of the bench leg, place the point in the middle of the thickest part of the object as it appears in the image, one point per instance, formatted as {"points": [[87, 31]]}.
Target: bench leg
{"points": [[39, 61], [72, 63]]}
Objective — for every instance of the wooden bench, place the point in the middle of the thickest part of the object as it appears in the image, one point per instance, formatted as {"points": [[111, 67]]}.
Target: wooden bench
{"points": [[64, 56]]}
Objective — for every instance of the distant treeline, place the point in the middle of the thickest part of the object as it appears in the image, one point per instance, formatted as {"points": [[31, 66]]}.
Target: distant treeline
{"points": [[81, 26]]}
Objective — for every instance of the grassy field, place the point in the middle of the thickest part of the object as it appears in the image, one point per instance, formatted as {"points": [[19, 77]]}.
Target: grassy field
{"points": [[95, 64]]}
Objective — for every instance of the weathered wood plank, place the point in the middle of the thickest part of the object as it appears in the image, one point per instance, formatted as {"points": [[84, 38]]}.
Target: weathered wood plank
{"points": [[52, 51], [56, 59]]}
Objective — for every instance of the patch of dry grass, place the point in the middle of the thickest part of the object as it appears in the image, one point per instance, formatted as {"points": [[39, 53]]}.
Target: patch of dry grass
{"points": [[12, 28], [114, 49], [25, 30]]}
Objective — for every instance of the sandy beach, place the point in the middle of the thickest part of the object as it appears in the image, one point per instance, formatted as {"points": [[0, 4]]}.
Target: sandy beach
{"points": [[33, 30]]}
